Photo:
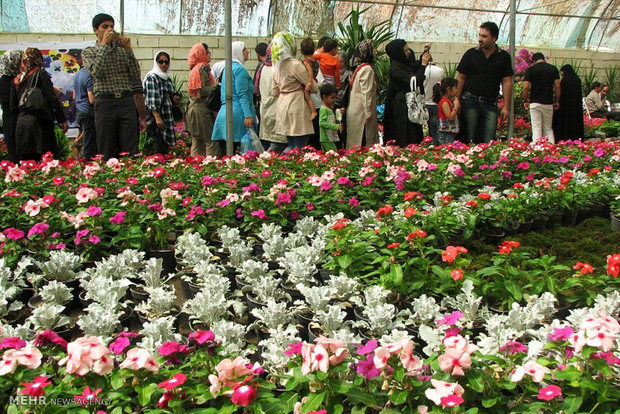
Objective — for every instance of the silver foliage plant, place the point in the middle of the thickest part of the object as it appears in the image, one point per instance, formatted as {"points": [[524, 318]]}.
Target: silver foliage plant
{"points": [[61, 266], [192, 249], [156, 332], [56, 292]]}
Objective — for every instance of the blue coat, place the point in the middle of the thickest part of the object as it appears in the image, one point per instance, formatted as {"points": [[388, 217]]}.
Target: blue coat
{"points": [[243, 106]]}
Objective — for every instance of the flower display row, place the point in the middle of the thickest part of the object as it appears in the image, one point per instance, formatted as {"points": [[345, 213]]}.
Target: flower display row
{"points": [[100, 208]]}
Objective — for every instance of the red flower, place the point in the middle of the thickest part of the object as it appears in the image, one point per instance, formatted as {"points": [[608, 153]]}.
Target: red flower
{"points": [[549, 392], [457, 274], [340, 224], [12, 342], [584, 268], [393, 245], [418, 234], [163, 401], [411, 195], [87, 396], [507, 246], [50, 337], [613, 265], [451, 401], [472, 203], [177, 380], [484, 196], [385, 210], [36, 388], [410, 211], [451, 252], [243, 395]]}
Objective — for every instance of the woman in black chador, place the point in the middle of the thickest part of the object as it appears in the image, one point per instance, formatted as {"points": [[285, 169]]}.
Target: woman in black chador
{"points": [[9, 68], [568, 120]]}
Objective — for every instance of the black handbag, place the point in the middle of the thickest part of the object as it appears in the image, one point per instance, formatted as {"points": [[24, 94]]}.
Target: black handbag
{"points": [[32, 100], [214, 97], [177, 110]]}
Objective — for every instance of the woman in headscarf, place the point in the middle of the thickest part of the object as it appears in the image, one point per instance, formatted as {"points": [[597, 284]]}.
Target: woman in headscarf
{"points": [[362, 112], [159, 97], [568, 119], [9, 68], [268, 102], [403, 67], [243, 99], [289, 80], [34, 133], [199, 118]]}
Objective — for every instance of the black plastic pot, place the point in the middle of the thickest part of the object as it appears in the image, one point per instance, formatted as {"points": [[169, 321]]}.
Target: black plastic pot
{"points": [[494, 236], [540, 222], [292, 291], [555, 219], [138, 294], [526, 226], [569, 218], [169, 260], [252, 302]]}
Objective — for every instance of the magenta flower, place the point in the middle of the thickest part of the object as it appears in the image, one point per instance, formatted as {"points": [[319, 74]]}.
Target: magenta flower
{"points": [[561, 334], [14, 234], [118, 218], [223, 203], [450, 319], [201, 336], [35, 388], [368, 180], [294, 349], [207, 180], [79, 235], [344, 181], [369, 347], [309, 206], [549, 392], [94, 239], [87, 396], [283, 198], [367, 369], [12, 342], [599, 153], [353, 202], [38, 229], [513, 347], [177, 380], [50, 337], [93, 211], [260, 214], [119, 345], [243, 395], [452, 401], [452, 332]]}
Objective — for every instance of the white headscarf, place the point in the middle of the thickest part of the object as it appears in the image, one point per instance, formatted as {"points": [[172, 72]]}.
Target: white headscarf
{"points": [[156, 70], [283, 47], [237, 52], [218, 68]]}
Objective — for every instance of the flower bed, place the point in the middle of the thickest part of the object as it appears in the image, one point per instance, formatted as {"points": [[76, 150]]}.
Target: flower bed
{"points": [[344, 276]]}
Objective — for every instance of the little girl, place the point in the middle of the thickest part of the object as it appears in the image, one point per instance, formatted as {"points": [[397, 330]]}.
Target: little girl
{"points": [[312, 69], [443, 95]]}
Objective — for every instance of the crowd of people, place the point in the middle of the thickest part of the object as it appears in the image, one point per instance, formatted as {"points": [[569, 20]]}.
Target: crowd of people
{"points": [[322, 99]]}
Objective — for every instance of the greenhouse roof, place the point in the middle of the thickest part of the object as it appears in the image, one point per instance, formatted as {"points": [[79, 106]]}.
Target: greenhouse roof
{"points": [[583, 24]]}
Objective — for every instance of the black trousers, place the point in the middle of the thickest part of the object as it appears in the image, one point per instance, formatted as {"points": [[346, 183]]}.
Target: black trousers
{"points": [[116, 122]]}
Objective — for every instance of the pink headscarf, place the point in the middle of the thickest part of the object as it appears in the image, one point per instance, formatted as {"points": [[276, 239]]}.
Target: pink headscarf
{"points": [[197, 58]]}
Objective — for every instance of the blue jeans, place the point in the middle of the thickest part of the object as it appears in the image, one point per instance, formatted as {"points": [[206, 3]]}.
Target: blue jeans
{"points": [[479, 119], [296, 142], [86, 122], [433, 122]]}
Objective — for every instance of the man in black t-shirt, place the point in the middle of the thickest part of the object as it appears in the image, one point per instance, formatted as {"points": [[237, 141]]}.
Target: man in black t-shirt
{"points": [[543, 80], [481, 70]]}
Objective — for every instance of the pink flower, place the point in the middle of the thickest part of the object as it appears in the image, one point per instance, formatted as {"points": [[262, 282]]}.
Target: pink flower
{"points": [[531, 368], [450, 319], [177, 380], [94, 239], [119, 345], [28, 357], [260, 214], [86, 354], [353, 202], [561, 334], [382, 355], [367, 369], [171, 347], [451, 401], [513, 347], [442, 389], [319, 359], [35, 388], [93, 211], [8, 364], [38, 229], [454, 361], [410, 362], [12, 342], [118, 218], [50, 337], [138, 358], [294, 349], [243, 395], [549, 392], [201, 336], [14, 234], [368, 348], [165, 398], [87, 396]]}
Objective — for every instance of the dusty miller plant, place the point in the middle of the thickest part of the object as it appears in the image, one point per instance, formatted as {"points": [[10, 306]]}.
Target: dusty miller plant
{"points": [[266, 288], [156, 332], [467, 302], [425, 309], [151, 275], [232, 336], [60, 266], [274, 247], [251, 270], [159, 303], [343, 286], [229, 236], [99, 320], [317, 297], [273, 348], [239, 253], [48, 316], [273, 316], [105, 290], [268, 231], [56, 292], [298, 266], [192, 249], [331, 320], [208, 306]]}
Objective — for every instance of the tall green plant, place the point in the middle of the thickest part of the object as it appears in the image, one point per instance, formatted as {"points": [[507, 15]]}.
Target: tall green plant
{"points": [[611, 74], [589, 76], [353, 32], [450, 69]]}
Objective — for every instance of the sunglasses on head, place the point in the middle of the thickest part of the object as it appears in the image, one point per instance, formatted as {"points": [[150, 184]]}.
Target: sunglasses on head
{"points": [[161, 62]]}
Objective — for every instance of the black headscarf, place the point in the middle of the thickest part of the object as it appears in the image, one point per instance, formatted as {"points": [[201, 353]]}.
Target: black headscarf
{"points": [[569, 72], [395, 50]]}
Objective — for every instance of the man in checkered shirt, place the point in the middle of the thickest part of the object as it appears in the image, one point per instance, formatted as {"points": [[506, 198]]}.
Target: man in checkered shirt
{"points": [[119, 101]]}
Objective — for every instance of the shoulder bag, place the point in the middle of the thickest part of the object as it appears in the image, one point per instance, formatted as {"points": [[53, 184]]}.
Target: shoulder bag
{"points": [[32, 100], [416, 108]]}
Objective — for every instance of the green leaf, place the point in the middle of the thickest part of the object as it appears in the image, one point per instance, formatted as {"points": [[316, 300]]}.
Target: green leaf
{"points": [[490, 402], [117, 380], [358, 397], [358, 410], [514, 290], [399, 397], [397, 274], [145, 393], [475, 381], [568, 374], [572, 404], [344, 261], [313, 402]]}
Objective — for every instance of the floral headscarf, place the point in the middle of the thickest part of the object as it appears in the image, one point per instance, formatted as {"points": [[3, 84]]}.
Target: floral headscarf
{"points": [[363, 53], [282, 47], [32, 58], [10, 61]]}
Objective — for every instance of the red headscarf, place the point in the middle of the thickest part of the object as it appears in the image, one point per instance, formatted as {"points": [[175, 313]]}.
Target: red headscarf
{"points": [[197, 58]]}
